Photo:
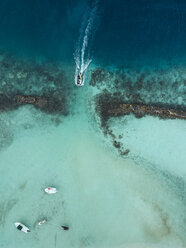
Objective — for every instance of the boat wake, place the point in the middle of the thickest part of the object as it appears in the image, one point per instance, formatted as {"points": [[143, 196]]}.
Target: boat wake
{"points": [[82, 55]]}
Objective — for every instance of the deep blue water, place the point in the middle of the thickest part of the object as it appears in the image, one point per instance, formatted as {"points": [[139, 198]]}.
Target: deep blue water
{"points": [[128, 32], [142, 31]]}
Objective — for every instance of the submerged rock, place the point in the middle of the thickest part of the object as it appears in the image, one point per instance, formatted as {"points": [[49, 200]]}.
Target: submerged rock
{"points": [[97, 76], [52, 105], [142, 110], [108, 106], [38, 101], [44, 103]]}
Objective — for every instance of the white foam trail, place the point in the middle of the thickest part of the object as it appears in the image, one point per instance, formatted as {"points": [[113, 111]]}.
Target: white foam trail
{"points": [[85, 42], [82, 62]]}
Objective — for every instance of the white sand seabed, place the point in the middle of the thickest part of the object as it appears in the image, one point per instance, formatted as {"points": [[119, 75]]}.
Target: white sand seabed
{"points": [[106, 201], [161, 142]]}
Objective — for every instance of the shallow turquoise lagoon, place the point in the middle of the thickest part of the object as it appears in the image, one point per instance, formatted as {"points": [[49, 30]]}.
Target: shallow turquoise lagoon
{"points": [[106, 200], [132, 50]]}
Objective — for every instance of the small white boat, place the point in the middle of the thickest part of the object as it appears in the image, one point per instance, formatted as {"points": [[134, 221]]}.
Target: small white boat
{"points": [[79, 81], [21, 227], [42, 222], [51, 190]]}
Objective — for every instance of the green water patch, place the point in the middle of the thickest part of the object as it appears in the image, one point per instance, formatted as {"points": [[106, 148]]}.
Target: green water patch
{"points": [[158, 146], [6, 134], [5, 208], [155, 143], [105, 200], [20, 122], [161, 141]]}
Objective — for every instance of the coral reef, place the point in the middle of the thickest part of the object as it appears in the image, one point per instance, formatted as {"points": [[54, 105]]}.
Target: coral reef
{"points": [[113, 107], [44, 103], [124, 92], [145, 87], [22, 82]]}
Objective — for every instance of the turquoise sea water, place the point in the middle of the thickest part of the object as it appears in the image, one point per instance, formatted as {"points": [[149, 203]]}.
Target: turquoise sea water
{"points": [[107, 200]]}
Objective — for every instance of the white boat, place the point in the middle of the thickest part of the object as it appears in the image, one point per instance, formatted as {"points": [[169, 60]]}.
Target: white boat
{"points": [[42, 222], [79, 81], [21, 227], [51, 190]]}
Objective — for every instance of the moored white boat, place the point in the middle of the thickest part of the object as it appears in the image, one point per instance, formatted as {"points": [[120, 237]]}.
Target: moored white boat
{"points": [[21, 227], [51, 190]]}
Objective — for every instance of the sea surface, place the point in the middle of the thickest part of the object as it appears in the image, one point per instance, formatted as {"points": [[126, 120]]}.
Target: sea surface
{"points": [[109, 199]]}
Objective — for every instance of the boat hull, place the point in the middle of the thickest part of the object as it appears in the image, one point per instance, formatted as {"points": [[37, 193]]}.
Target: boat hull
{"points": [[21, 227], [51, 190]]}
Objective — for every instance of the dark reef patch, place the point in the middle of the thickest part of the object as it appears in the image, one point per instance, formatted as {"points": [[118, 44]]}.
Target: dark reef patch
{"points": [[111, 106], [44, 103], [44, 86], [98, 76], [122, 92], [158, 93], [162, 87]]}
